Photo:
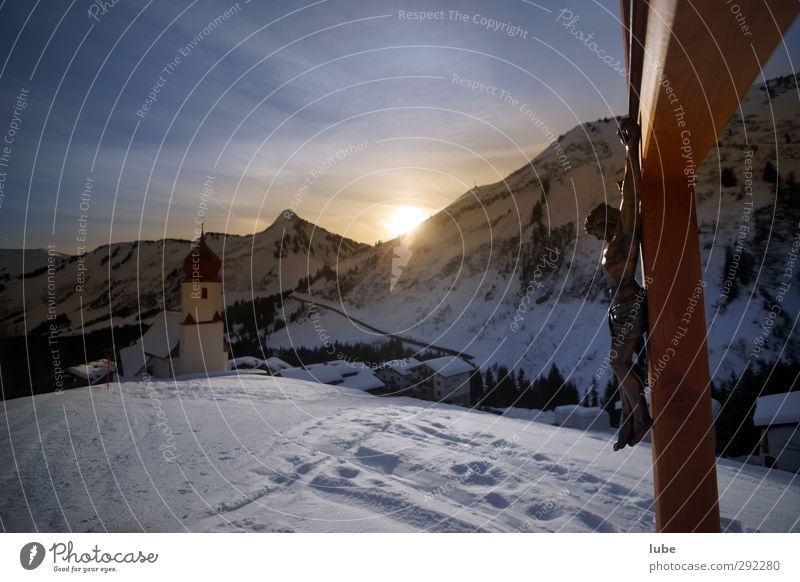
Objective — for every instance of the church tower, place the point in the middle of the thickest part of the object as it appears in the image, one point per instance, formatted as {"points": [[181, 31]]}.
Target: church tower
{"points": [[202, 344]]}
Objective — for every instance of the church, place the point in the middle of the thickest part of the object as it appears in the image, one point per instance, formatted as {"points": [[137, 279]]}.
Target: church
{"points": [[189, 341]]}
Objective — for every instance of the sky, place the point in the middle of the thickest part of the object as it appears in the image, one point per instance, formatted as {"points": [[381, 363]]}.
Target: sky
{"points": [[139, 119]]}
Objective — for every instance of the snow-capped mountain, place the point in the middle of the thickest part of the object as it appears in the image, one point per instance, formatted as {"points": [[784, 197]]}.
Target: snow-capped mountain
{"points": [[137, 280], [506, 273]]}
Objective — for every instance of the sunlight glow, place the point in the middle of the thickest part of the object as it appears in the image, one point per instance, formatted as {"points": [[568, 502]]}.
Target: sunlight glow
{"points": [[404, 219]]}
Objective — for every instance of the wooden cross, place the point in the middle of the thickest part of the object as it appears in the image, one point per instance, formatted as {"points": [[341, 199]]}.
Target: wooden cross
{"points": [[689, 65]]}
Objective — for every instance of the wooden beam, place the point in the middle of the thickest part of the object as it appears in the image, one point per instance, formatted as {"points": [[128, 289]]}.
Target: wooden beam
{"points": [[684, 470], [698, 63], [699, 58]]}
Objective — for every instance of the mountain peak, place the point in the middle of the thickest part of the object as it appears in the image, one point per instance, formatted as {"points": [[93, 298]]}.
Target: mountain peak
{"points": [[285, 217]]}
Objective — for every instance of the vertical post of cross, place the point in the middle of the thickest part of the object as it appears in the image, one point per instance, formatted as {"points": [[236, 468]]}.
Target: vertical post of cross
{"points": [[684, 469]]}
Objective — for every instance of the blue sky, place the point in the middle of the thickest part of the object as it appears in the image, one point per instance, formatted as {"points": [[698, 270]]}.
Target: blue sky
{"points": [[339, 109]]}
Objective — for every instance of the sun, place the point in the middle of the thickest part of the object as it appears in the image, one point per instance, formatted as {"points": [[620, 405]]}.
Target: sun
{"points": [[404, 219]]}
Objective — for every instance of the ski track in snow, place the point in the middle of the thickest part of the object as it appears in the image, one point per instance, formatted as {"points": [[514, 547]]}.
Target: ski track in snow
{"points": [[275, 455]]}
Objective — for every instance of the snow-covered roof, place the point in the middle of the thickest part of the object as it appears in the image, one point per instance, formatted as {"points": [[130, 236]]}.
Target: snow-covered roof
{"points": [[584, 411], [448, 366], [337, 363], [324, 373], [363, 380], [402, 367], [314, 373], [158, 341], [297, 374], [781, 408], [162, 336], [246, 362], [345, 367], [93, 371], [273, 364], [276, 364], [133, 360], [336, 374]]}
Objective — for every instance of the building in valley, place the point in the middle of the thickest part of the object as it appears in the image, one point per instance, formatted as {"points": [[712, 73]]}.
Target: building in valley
{"points": [[444, 379], [777, 416]]}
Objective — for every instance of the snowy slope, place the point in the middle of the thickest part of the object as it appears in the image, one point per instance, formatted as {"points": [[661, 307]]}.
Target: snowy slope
{"points": [[466, 270], [266, 454]]}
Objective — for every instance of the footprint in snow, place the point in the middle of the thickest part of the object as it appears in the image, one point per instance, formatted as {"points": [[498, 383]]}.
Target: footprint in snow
{"points": [[503, 444], [347, 472], [595, 522], [496, 500], [544, 511], [617, 490], [474, 467], [588, 478], [556, 470], [478, 473], [306, 467]]}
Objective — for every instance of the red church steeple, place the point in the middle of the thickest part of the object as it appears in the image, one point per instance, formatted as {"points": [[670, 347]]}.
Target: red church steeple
{"points": [[201, 264]]}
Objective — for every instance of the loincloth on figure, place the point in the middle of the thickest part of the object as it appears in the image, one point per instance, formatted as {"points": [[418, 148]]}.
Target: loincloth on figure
{"points": [[628, 319]]}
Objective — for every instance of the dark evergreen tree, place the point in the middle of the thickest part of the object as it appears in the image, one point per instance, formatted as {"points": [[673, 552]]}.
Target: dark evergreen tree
{"points": [[736, 433], [522, 381], [504, 393], [552, 390], [770, 174], [545, 182], [489, 384], [536, 213], [475, 387], [728, 178], [567, 393], [535, 396]]}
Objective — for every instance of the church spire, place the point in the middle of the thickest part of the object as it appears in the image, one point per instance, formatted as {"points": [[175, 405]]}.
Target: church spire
{"points": [[201, 264]]}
